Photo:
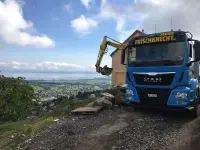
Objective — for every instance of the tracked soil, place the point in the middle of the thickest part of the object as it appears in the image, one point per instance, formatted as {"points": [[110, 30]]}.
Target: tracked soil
{"points": [[121, 129]]}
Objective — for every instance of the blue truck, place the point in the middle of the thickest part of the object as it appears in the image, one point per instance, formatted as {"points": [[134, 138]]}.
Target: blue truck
{"points": [[162, 70]]}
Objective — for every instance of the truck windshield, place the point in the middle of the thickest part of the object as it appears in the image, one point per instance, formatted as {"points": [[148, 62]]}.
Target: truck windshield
{"points": [[159, 54]]}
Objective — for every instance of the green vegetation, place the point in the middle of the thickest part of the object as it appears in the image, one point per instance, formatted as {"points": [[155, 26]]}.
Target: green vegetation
{"points": [[15, 99], [14, 133], [36, 88], [57, 88]]}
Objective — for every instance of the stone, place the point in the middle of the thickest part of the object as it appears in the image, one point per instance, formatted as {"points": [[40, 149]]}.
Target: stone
{"points": [[120, 88], [120, 98], [109, 97], [91, 104], [87, 110], [103, 102]]}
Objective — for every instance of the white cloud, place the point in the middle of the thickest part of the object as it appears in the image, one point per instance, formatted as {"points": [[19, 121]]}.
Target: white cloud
{"points": [[13, 27], [184, 15], [144, 14], [68, 8], [83, 25], [43, 66], [120, 13], [87, 3]]}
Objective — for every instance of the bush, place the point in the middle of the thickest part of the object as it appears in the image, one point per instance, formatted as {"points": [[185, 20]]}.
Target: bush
{"points": [[16, 97]]}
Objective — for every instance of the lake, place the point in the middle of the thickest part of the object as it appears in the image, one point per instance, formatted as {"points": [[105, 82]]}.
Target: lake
{"points": [[53, 76]]}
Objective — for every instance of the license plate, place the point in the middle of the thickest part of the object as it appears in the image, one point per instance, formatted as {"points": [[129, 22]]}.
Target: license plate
{"points": [[152, 95]]}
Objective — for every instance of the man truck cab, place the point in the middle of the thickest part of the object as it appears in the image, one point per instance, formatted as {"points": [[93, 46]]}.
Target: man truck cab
{"points": [[164, 71]]}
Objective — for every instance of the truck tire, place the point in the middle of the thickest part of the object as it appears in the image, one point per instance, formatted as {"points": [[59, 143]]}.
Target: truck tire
{"points": [[196, 111]]}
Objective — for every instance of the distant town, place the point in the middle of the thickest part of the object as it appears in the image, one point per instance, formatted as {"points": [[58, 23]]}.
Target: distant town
{"points": [[51, 89]]}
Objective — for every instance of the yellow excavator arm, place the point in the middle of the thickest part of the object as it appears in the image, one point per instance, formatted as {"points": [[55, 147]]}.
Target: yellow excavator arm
{"points": [[103, 50]]}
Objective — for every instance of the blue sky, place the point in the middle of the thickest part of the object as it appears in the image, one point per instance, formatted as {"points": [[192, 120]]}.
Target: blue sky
{"points": [[53, 18], [66, 34]]}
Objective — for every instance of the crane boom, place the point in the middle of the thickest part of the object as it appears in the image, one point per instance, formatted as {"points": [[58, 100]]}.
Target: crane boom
{"points": [[103, 50]]}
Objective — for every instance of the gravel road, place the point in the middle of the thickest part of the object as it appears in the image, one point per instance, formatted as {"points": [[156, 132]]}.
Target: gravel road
{"points": [[122, 129]]}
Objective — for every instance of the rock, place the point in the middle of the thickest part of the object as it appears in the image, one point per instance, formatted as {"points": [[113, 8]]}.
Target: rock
{"points": [[87, 110], [120, 98], [92, 96], [91, 104], [109, 97], [103, 102], [50, 110], [120, 88]]}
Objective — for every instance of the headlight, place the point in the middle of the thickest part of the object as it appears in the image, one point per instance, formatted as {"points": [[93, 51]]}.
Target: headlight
{"points": [[129, 92], [181, 95]]}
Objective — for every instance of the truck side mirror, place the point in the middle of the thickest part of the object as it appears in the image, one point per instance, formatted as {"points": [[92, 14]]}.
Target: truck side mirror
{"points": [[197, 50]]}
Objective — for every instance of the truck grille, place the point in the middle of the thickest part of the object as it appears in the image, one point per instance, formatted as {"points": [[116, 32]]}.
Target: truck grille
{"points": [[157, 79], [159, 101]]}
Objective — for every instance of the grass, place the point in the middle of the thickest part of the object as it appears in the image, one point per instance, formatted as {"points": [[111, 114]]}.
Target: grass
{"points": [[14, 133], [11, 134]]}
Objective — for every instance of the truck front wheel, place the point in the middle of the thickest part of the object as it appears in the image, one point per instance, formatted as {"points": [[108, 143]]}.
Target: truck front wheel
{"points": [[196, 111]]}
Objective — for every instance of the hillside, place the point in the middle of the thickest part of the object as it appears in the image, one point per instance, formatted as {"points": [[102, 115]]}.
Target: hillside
{"points": [[120, 129]]}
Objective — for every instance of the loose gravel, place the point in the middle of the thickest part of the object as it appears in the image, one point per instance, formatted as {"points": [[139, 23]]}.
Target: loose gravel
{"points": [[119, 129]]}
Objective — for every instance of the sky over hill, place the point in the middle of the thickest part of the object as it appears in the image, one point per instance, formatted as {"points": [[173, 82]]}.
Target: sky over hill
{"points": [[65, 34]]}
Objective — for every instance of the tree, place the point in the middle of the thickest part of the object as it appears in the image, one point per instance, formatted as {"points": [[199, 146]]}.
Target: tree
{"points": [[16, 97]]}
